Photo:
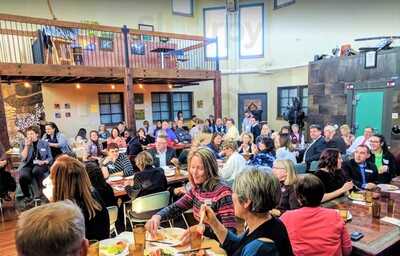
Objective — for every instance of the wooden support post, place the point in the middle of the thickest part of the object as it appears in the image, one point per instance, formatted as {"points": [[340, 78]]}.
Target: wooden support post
{"points": [[128, 100], [3, 123], [217, 96]]}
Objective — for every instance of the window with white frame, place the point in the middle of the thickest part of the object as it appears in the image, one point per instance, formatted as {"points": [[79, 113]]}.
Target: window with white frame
{"points": [[215, 25], [251, 20]]}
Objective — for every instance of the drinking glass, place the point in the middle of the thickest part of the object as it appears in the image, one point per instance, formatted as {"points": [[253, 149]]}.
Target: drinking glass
{"points": [[390, 207], [196, 234], [136, 250], [139, 234], [94, 247], [376, 209]]}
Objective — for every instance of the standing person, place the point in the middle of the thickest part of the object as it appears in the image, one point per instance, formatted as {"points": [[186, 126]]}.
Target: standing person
{"points": [[331, 174], [232, 133], [36, 158], [255, 194], [363, 173], [94, 148], [97, 180], [206, 184], [121, 129], [255, 128], [52, 229], [297, 137], [219, 126], [312, 229], [383, 159], [7, 182], [284, 171], [362, 140], [265, 153], [314, 150], [346, 134], [333, 141], [56, 140], [163, 155], [246, 124], [234, 164], [115, 138], [70, 181]]}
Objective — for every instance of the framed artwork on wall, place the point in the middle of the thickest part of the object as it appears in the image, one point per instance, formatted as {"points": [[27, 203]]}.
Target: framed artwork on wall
{"points": [[139, 114], [182, 7], [283, 3], [138, 98], [106, 44], [146, 27], [370, 59]]}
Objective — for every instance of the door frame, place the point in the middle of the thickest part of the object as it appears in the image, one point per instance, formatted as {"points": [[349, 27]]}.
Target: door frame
{"points": [[240, 118]]}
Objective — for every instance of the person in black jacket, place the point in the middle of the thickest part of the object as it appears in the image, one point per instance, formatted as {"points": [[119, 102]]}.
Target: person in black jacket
{"points": [[383, 159], [334, 141], [162, 155], [314, 150], [149, 180], [255, 128], [363, 173], [71, 182], [99, 183]]}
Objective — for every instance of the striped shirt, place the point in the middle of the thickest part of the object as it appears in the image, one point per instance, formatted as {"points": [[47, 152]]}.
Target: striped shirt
{"points": [[221, 203], [122, 164]]}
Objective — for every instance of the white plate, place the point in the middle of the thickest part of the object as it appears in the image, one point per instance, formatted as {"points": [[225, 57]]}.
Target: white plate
{"points": [[170, 235], [169, 173], [115, 178], [387, 187], [112, 241]]}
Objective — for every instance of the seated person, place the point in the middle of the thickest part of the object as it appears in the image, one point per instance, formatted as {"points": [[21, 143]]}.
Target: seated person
{"points": [[255, 194], [334, 141], [182, 134], [127, 136], [317, 145], [285, 150], [7, 182], [167, 131], [149, 180], [284, 171], [162, 155], [265, 154], [80, 137], [99, 183], [331, 174], [203, 176], [234, 164], [103, 133], [56, 140], [115, 138], [297, 138], [315, 230], [219, 126], [116, 164], [383, 159], [246, 143], [52, 229], [265, 132], [71, 182], [35, 161], [232, 132], [215, 145], [143, 138], [363, 173], [94, 148]]}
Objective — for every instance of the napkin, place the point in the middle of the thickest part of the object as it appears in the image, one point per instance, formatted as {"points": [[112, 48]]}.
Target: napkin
{"points": [[393, 221]]}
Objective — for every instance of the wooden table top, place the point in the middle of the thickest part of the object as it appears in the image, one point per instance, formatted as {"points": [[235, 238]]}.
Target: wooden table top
{"points": [[119, 187], [177, 146], [378, 235]]}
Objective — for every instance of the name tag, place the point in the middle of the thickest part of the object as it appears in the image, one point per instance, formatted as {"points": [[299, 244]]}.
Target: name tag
{"points": [[43, 149], [385, 161], [368, 170]]}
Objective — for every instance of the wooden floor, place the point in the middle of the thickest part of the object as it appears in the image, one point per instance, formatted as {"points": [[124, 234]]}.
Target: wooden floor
{"points": [[7, 230]]}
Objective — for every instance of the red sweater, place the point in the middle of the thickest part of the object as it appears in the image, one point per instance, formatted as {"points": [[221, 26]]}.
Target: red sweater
{"points": [[316, 231]]}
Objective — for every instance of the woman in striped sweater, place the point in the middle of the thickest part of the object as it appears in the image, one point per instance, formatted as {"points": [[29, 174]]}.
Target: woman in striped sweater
{"points": [[206, 185]]}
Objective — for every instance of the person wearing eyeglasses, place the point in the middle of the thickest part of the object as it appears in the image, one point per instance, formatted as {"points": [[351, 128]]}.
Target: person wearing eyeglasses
{"points": [[284, 171], [116, 164], [383, 159]]}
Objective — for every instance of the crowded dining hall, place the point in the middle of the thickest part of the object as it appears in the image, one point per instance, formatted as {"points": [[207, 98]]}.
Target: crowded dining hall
{"points": [[199, 127]]}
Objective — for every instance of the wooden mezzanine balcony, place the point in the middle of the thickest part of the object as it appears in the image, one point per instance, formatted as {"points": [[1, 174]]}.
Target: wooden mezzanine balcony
{"points": [[53, 51]]}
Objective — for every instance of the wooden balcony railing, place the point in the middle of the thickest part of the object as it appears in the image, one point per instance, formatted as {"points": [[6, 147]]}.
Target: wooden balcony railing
{"points": [[27, 40]]}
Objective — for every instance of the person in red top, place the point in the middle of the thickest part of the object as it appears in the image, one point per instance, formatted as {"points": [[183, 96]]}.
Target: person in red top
{"points": [[314, 230]]}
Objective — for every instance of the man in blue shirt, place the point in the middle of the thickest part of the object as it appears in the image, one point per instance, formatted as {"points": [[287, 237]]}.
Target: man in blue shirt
{"points": [[363, 173]]}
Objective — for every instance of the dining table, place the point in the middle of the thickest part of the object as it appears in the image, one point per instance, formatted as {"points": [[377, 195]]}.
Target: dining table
{"points": [[118, 186], [380, 236]]}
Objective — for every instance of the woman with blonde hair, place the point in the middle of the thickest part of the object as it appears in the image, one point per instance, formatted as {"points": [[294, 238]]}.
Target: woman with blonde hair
{"points": [[71, 182], [284, 171], [206, 185], [346, 135], [247, 139]]}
